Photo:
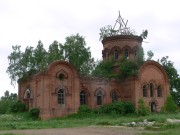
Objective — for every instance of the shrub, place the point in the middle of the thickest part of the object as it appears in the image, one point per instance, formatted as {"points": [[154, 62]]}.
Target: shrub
{"points": [[128, 68], [84, 109], [34, 113], [18, 107], [4, 106], [170, 105], [142, 109], [113, 108], [128, 107]]}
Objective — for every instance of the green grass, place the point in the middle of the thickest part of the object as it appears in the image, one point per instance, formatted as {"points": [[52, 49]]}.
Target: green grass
{"points": [[10, 134], [20, 121], [165, 130]]}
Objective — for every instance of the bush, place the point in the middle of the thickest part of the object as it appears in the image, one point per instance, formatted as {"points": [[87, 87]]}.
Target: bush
{"points": [[142, 109], [170, 105], [129, 107], [4, 106], [34, 113], [18, 107], [84, 109], [117, 107], [128, 68]]}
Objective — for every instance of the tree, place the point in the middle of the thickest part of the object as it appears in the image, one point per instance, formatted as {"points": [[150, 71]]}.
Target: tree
{"points": [[142, 109], [104, 69], [76, 53], [24, 64], [173, 78], [150, 54], [107, 31], [7, 101], [144, 34], [128, 68], [14, 68], [140, 56], [8, 96], [170, 105], [40, 57], [55, 52]]}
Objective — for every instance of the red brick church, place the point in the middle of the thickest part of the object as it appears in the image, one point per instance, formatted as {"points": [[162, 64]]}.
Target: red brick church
{"points": [[60, 90]]}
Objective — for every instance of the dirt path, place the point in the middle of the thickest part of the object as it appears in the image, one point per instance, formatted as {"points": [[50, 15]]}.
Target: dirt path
{"points": [[92, 130]]}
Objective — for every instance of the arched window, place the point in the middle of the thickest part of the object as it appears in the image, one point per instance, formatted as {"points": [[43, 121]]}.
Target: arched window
{"points": [[144, 91], [99, 93], [27, 94], [99, 98], [61, 96], [126, 53], [116, 55], [159, 91], [151, 90], [114, 96], [83, 97]]}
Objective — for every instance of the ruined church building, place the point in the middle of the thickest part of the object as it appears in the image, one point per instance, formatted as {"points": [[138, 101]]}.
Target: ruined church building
{"points": [[60, 90]]}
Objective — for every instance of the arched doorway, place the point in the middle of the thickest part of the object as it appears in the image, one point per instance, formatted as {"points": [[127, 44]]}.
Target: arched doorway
{"points": [[153, 107]]}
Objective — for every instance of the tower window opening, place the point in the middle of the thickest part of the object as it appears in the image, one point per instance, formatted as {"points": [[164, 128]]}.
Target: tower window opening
{"points": [[151, 90], [116, 55], [144, 91], [126, 53]]}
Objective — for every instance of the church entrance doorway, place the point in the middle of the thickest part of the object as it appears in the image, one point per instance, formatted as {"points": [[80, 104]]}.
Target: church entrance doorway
{"points": [[153, 107]]}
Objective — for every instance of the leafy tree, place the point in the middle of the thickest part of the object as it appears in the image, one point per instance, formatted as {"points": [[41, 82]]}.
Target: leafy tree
{"points": [[7, 101], [55, 52], [8, 96], [14, 68], [128, 68], [140, 56], [173, 78], [104, 69], [107, 31], [24, 64], [40, 57], [142, 110], [170, 105], [76, 53], [144, 34], [150, 54]]}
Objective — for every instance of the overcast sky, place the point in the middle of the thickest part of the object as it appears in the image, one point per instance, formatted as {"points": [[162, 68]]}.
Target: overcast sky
{"points": [[24, 22]]}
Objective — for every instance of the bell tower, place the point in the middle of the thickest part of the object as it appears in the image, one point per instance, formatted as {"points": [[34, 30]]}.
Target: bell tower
{"points": [[120, 40]]}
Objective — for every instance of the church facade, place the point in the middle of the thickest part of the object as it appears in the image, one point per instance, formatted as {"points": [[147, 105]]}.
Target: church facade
{"points": [[60, 90]]}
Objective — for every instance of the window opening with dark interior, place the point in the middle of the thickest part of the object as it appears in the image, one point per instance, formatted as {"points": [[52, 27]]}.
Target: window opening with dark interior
{"points": [[99, 98], [114, 96], [83, 97], [116, 55], [159, 91], [126, 53], [61, 96], [144, 91], [61, 77], [151, 90]]}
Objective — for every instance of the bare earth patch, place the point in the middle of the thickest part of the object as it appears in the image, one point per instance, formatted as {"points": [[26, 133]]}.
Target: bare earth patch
{"points": [[92, 130]]}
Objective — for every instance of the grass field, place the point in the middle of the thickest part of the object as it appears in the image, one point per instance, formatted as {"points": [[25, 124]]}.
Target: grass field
{"points": [[20, 121]]}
